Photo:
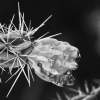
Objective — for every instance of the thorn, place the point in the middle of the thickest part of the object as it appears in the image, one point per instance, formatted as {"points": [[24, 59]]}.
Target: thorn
{"points": [[2, 69], [42, 35], [2, 39], [54, 35], [28, 74], [11, 22], [86, 87], [58, 96], [2, 51], [12, 75], [9, 28], [7, 61], [49, 37], [14, 83], [19, 13], [11, 67], [23, 70], [41, 25]]}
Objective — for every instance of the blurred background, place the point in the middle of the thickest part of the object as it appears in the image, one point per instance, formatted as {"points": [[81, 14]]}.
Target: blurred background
{"points": [[78, 20]]}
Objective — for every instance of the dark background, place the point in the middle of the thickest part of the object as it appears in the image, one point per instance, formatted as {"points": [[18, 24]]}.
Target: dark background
{"points": [[70, 17]]}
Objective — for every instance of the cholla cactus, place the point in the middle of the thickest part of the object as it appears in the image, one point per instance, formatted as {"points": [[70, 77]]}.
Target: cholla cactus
{"points": [[52, 60], [79, 94]]}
